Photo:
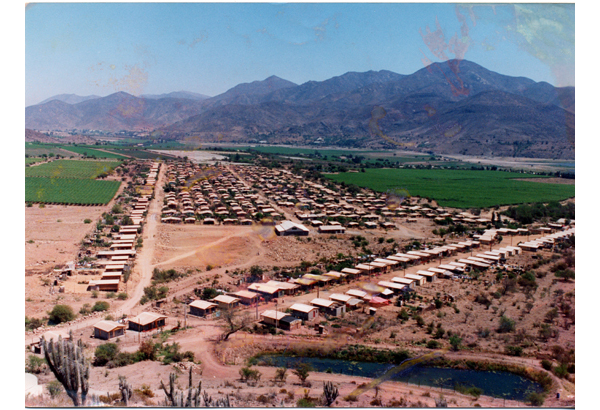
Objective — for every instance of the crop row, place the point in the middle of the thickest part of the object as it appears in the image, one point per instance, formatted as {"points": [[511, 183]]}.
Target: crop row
{"points": [[460, 188], [71, 169], [69, 191]]}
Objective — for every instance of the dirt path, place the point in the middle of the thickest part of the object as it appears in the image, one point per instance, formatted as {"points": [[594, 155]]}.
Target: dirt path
{"points": [[144, 259]]}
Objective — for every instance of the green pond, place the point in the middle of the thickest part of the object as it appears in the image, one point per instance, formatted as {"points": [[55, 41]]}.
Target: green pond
{"points": [[496, 384]]}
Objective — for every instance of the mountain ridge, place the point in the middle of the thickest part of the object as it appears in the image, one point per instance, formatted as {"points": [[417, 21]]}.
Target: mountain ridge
{"points": [[472, 104]]}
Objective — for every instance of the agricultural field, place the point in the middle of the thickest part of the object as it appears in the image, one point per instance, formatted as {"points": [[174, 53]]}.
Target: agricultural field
{"points": [[137, 153], [459, 188], [71, 169], [87, 151], [69, 190], [29, 161]]}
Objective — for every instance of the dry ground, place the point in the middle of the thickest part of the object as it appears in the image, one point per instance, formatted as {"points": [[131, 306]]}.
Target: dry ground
{"points": [[53, 234]]}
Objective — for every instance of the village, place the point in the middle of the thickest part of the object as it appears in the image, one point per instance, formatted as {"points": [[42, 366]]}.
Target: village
{"points": [[230, 260]]}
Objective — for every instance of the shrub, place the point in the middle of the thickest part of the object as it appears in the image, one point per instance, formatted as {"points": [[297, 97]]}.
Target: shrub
{"points": [[54, 388], [34, 364], [105, 353], [61, 313], [281, 374], [32, 323], [506, 325], [305, 402], [111, 295], [302, 371], [433, 344], [514, 350], [100, 306], [122, 296], [87, 221], [247, 374], [560, 370], [535, 399], [455, 341], [547, 364]]}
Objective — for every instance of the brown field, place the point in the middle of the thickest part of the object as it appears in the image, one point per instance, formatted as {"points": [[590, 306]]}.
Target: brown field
{"points": [[56, 232]]}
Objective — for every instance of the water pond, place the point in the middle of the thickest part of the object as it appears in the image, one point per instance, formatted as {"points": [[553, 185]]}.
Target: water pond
{"points": [[496, 384]]}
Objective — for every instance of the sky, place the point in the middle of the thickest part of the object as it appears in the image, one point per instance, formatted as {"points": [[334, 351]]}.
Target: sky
{"points": [[207, 48]]}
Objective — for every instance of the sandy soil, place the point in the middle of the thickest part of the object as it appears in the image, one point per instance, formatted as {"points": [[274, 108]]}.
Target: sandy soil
{"points": [[53, 234]]}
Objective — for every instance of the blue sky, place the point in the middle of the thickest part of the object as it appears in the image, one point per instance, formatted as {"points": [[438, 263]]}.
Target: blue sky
{"points": [[152, 48]]}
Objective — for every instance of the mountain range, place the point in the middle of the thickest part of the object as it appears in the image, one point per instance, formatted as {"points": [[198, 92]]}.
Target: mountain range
{"points": [[453, 107]]}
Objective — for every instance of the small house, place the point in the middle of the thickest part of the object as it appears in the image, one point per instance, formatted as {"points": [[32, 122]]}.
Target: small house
{"points": [[226, 302], [107, 329], [304, 312], [147, 321], [202, 308]]}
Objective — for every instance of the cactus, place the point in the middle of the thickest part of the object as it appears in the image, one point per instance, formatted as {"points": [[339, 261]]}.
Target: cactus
{"points": [[175, 397], [126, 390], [330, 392], [69, 366]]}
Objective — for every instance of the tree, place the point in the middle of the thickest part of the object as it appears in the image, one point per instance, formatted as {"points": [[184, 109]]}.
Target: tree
{"points": [[69, 366], [61, 313], [302, 371], [232, 322]]}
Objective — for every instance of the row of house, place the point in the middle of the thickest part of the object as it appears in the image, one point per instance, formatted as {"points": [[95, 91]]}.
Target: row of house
{"points": [[122, 248]]}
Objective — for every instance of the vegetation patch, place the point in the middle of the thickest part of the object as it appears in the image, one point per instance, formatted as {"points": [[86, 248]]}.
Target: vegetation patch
{"points": [[65, 168], [69, 191], [459, 188]]}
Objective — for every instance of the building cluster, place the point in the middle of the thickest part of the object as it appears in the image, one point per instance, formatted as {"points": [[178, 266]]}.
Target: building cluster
{"points": [[122, 248], [212, 196]]}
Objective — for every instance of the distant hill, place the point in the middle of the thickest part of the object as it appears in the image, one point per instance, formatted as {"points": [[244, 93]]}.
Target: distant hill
{"points": [[118, 111], [450, 107], [70, 98], [176, 94]]}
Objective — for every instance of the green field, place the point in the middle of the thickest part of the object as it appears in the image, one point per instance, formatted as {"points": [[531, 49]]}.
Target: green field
{"points": [[65, 168], [92, 152], [69, 191], [29, 161], [138, 153], [459, 188]]}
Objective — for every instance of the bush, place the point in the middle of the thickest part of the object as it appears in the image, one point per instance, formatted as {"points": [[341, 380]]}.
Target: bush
{"points": [[105, 353], [302, 371], [54, 388], [514, 350], [87, 221], [535, 399], [561, 370], [32, 323], [147, 351], [34, 364], [546, 364], [122, 296], [100, 306], [61, 313], [506, 325], [433, 344]]}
